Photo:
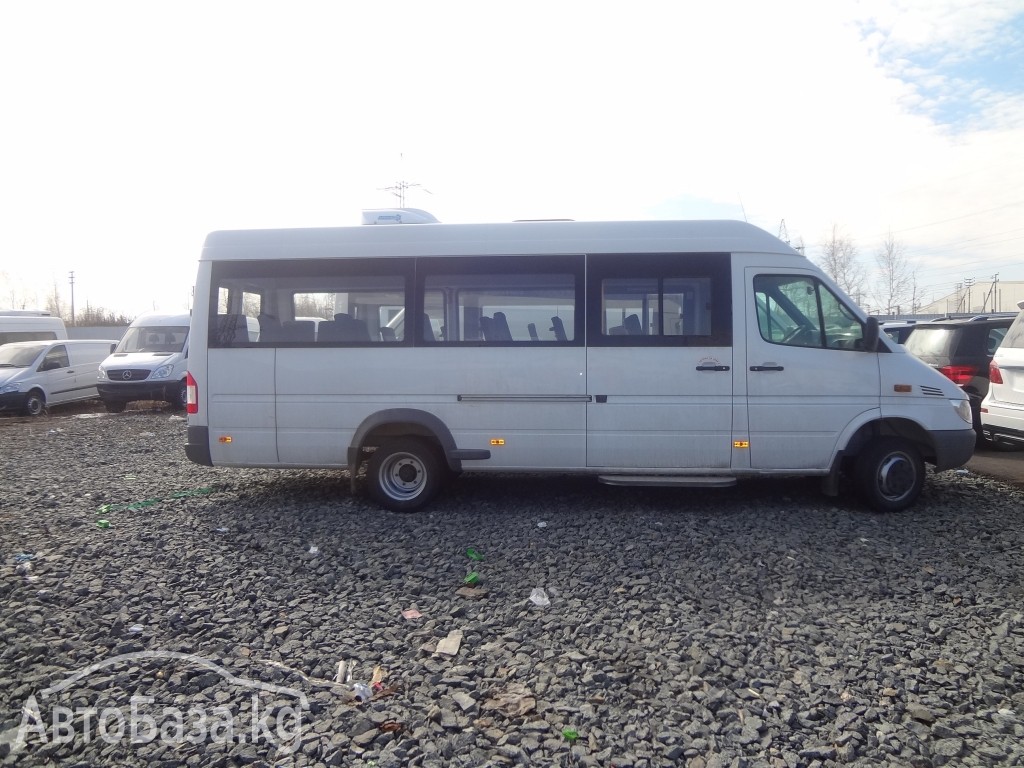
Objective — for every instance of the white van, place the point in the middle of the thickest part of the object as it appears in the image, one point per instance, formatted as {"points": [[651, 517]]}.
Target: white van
{"points": [[148, 364], [37, 374], [19, 325], [1002, 410], [685, 353]]}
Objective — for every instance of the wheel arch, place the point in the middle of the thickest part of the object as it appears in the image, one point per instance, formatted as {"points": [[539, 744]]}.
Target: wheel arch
{"points": [[891, 426], [862, 435], [399, 422], [40, 393]]}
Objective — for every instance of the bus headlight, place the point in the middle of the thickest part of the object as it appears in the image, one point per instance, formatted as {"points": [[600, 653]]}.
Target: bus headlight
{"points": [[963, 409], [162, 372]]}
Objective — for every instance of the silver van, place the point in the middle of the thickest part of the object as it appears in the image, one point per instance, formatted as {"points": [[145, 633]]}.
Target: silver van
{"points": [[148, 363], [23, 325], [37, 374]]}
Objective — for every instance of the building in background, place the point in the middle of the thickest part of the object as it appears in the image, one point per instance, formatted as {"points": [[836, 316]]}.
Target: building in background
{"points": [[978, 298]]}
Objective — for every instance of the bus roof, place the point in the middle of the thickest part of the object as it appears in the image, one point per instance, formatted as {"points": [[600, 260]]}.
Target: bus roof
{"points": [[527, 237]]}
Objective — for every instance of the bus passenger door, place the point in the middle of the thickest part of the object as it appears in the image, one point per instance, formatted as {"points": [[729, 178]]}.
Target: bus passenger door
{"points": [[659, 362]]}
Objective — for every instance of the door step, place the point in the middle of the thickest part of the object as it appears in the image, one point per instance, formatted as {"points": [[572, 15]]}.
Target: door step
{"points": [[673, 481]]}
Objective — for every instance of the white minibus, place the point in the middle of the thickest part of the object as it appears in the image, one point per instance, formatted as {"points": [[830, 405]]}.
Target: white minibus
{"points": [[148, 364], [37, 374], [24, 325], [686, 353]]}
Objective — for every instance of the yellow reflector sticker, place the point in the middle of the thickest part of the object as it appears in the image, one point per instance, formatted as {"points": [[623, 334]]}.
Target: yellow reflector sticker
{"points": [[902, 388], [224, 439], [497, 441], [740, 443]]}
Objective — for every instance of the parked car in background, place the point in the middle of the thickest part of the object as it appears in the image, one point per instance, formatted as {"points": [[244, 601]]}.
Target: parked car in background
{"points": [[1002, 410], [18, 325], [961, 350], [148, 364], [898, 330], [37, 374]]}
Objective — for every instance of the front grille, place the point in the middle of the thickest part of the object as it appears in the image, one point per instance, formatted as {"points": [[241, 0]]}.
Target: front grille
{"points": [[128, 374]]}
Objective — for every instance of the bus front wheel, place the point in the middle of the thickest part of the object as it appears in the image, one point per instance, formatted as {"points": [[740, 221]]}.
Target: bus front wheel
{"points": [[404, 474], [890, 474]]}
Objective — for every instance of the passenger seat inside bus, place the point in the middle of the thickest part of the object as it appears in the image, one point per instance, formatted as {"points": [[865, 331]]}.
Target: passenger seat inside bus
{"points": [[633, 327], [298, 330], [501, 330], [558, 328], [343, 327], [232, 329], [270, 328]]}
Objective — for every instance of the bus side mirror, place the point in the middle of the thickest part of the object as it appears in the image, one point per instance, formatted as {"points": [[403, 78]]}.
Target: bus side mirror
{"points": [[871, 334]]}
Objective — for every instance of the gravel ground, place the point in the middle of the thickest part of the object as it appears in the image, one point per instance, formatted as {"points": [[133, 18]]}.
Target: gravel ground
{"points": [[757, 626]]}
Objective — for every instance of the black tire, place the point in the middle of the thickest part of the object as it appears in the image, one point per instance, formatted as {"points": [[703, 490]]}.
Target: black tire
{"points": [[114, 406], [890, 474], [404, 474], [180, 399], [35, 403]]}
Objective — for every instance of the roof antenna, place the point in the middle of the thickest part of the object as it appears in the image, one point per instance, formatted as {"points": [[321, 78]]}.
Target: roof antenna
{"points": [[742, 208]]}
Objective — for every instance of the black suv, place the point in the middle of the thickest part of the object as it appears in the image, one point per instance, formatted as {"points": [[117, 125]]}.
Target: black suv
{"points": [[961, 350]]}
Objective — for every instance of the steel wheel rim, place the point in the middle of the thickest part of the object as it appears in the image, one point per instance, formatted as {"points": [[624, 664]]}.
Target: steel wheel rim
{"points": [[896, 476], [403, 476]]}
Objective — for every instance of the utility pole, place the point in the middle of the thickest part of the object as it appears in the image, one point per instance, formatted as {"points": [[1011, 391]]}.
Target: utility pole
{"points": [[969, 283], [71, 279]]}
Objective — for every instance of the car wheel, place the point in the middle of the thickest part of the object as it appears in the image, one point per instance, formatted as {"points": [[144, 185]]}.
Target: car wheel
{"points": [[890, 474], [180, 399], [404, 474], [35, 403]]}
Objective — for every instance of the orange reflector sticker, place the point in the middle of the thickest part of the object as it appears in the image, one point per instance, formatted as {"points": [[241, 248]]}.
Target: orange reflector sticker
{"points": [[902, 388], [224, 439], [497, 441], [740, 443]]}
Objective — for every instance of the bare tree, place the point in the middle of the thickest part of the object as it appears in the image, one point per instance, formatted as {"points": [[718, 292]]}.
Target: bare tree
{"points": [[839, 260], [897, 280], [53, 303]]}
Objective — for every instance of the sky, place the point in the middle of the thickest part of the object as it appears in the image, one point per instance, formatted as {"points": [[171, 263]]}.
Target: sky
{"points": [[130, 130]]}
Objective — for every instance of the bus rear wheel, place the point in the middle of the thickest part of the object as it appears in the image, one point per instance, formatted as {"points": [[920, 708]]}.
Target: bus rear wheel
{"points": [[404, 474]]}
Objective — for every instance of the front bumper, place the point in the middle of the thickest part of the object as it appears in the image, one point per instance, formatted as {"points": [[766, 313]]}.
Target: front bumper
{"points": [[12, 401], [130, 391], [953, 447], [999, 434]]}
